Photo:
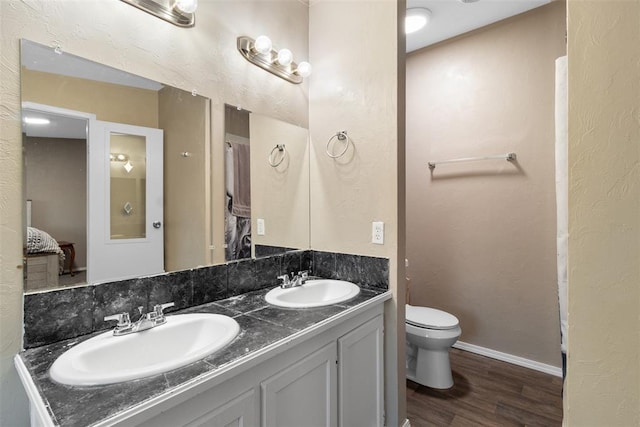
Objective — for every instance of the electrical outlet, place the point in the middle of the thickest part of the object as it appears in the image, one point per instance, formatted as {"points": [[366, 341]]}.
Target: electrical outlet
{"points": [[377, 232], [260, 227]]}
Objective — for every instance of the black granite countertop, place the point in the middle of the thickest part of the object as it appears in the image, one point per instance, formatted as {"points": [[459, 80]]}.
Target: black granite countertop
{"points": [[261, 325]]}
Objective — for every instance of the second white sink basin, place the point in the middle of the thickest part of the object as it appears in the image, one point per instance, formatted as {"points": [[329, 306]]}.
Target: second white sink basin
{"points": [[314, 293], [107, 359]]}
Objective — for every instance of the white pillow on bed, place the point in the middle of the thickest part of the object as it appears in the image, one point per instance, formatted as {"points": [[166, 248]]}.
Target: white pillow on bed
{"points": [[39, 241]]}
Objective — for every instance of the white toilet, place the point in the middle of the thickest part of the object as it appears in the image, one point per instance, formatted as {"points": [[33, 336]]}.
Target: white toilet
{"points": [[430, 335]]}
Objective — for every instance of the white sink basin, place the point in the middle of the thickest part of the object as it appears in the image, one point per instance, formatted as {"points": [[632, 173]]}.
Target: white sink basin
{"points": [[314, 293], [107, 359]]}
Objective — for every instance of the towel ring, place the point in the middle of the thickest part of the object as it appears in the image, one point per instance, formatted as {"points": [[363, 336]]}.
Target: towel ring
{"points": [[342, 136], [280, 148]]}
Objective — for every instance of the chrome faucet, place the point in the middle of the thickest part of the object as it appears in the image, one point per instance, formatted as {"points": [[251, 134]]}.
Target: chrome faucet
{"points": [[297, 280], [146, 321]]}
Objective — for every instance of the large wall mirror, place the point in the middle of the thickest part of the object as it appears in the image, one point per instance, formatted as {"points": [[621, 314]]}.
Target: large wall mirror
{"points": [[120, 176]]}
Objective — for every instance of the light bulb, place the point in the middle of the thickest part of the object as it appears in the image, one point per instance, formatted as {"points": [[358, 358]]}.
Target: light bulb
{"points": [[262, 44], [304, 69], [285, 57], [186, 6], [416, 19], [121, 157]]}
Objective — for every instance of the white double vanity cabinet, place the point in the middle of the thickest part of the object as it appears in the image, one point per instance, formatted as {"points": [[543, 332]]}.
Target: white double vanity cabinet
{"points": [[335, 379], [327, 374]]}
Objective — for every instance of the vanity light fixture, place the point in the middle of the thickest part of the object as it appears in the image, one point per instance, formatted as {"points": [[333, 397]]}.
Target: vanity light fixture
{"points": [[416, 19], [118, 157], [121, 157], [177, 12], [260, 52]]}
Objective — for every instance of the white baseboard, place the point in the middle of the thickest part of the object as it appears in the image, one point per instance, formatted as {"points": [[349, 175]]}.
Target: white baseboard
{"points": [[509, 358]]}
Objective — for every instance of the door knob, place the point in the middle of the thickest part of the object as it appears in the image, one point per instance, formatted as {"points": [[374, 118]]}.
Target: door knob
{"points": [[157, 224]]}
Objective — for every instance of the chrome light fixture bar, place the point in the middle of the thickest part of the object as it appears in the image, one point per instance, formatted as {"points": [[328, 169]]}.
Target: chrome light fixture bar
{"points": [[177, 12], [279, 63]]}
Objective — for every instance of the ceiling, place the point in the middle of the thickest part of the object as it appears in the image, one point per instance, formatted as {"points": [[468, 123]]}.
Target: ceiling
{"points": [[450, 18]]}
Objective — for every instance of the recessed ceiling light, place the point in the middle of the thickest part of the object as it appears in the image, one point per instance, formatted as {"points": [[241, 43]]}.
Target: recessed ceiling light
{"points": [[36, 121], [416, 19]]}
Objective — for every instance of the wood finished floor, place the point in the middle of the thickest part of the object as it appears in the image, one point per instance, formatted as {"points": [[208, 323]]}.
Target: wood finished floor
{"points": [[487, 392]]}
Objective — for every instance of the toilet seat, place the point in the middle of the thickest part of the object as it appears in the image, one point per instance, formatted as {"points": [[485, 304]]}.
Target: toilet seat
{"points": [[430, 318]]}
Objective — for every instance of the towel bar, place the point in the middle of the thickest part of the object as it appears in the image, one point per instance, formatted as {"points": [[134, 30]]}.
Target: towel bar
{"points": [[508, 156]]}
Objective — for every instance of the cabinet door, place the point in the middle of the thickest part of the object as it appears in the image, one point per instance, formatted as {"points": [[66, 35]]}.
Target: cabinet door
{"points": [[303, 394], [360, 376], [239, 412]]}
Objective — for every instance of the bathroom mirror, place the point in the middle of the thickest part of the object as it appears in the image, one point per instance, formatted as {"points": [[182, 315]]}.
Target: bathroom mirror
{"points": [[73, 94], [266, 185]]}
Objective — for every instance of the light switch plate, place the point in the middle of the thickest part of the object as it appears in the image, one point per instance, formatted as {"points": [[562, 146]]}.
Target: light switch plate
{"points": [[260, 226]]}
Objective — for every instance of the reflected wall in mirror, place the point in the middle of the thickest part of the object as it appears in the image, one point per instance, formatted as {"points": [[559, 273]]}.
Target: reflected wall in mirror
{"points": [[266, 183]]}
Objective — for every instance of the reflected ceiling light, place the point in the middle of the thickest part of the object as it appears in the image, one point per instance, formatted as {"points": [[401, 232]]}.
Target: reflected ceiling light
{"points": [[260, 52], [118, 157], [36, 121], [416, 19], [178, 12]]}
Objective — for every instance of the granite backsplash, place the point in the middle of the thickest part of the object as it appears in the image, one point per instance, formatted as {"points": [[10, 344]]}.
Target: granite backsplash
{"points": [[66, 313]]}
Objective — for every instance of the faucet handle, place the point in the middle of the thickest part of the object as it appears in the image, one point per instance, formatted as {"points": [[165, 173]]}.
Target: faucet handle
{"points": [[122, 318], [285, 280], [304, 274], [159, 308]]}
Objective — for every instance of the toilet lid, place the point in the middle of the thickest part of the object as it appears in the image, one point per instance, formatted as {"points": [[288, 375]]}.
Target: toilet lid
{"points": [[431, 318]]}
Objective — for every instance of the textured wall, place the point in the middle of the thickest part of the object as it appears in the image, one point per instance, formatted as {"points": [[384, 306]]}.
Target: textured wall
{"points": [[353, 48], [186, 213], [113, 33], [603, 383], [481, 236], [279, 195]]}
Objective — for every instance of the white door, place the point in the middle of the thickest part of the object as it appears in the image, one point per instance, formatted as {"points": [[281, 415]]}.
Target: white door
{"points": [[125, 200]]}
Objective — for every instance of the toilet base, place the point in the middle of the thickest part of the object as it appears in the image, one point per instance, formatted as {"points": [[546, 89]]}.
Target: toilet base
{"points": [[432, 369]]}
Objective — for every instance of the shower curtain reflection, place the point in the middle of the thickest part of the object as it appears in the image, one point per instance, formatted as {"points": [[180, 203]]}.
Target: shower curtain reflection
{"points": [[237, 184]]}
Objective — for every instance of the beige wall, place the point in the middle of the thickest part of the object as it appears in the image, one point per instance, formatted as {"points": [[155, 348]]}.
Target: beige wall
{"points": [[279, 195], [481, 237], [603, 383], [187, 195], [109, 102], [354, 87], [203, 58], [57, 187]]}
